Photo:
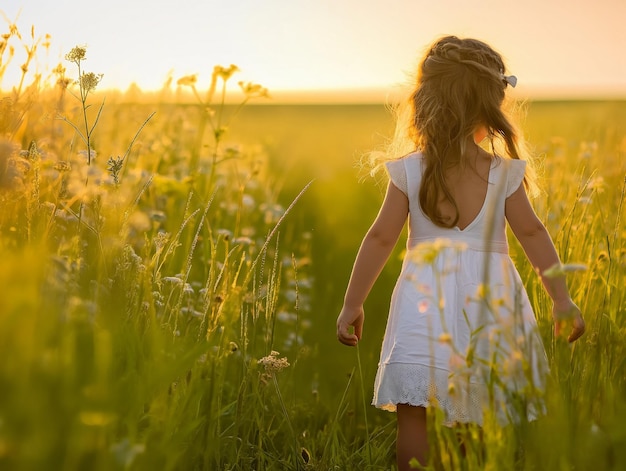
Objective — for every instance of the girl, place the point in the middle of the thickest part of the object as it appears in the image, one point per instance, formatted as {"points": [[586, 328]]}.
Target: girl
{"points": [[461, 334]]}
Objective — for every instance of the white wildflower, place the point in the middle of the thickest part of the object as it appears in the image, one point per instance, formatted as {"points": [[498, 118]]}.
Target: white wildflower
{"points": [[272, 363]]}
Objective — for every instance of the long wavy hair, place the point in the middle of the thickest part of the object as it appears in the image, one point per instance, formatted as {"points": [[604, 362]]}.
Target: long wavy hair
{"points": [[460, 86]]}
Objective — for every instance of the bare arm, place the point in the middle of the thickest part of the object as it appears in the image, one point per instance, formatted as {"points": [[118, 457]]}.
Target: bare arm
{"points": [[373, 254], [540, 250]]}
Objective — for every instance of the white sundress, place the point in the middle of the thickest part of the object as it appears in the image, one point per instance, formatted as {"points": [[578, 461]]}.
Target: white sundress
{"points": [[461, 333]]}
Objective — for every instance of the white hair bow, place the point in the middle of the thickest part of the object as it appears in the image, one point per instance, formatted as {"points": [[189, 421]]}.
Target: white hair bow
{"points": [[510, 79]]}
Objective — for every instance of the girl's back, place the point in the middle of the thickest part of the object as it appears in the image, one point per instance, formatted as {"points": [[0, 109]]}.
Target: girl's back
{"points": [[468, 186]]}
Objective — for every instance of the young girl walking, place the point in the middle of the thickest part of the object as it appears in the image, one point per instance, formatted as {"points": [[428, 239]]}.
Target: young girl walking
{"points": [[461, 333]]}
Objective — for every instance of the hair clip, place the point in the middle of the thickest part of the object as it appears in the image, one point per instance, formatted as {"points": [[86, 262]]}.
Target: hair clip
{"points": [[510, 79]]}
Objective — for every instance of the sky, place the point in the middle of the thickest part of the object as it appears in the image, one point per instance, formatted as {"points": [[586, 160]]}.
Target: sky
{"points": [[556, 48]]}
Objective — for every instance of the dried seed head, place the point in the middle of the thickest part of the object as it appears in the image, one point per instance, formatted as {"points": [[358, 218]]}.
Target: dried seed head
{"points": [[273, 364], [89, 81], [77, 54]]}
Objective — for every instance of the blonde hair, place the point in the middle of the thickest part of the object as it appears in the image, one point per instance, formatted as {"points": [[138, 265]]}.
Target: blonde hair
{"points": [[460, 86]]}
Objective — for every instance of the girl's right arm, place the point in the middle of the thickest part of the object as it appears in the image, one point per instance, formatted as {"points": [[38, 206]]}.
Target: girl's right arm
{"points": [[374, 252], [540, 250]]}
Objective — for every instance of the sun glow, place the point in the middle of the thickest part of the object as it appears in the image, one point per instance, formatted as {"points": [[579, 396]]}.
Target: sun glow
{"points": [[324, 50]]}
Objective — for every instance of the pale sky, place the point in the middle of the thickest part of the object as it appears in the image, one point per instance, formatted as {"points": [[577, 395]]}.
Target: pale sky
{"points": [[560, 47]]}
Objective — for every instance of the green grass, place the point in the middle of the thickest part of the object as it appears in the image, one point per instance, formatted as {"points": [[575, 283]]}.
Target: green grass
{"points": [[133, 314]]}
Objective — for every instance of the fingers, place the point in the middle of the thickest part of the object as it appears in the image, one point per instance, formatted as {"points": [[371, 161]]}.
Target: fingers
{"points": [[344, 335], [350, 326], [358, 330], [568, 314], [578, 330]]}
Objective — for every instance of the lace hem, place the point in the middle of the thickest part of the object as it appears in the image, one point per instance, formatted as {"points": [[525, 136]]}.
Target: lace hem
{"points": [[462, 399]]}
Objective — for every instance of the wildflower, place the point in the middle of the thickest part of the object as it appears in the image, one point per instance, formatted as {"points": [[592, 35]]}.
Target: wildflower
{"points": [[125, 452], [225, 234], [242, 241], [51, 207], [287, 317], [225, 73], [33, 153], [89, 81], [63, 83], [445, 338], [272, 363], [59, 70], [425, 289], [192, 312], [188, 80], [161, 239], [422, 306], [426, 253], [77, 54], [482, 291], [248, 201], [114, 167], [597, 184], [173, 280], [88, 155], [62, 166], [559, 270], [254, 90]]}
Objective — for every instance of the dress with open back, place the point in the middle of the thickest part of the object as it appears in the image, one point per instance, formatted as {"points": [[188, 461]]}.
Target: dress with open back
{"points": [[461, 333]]}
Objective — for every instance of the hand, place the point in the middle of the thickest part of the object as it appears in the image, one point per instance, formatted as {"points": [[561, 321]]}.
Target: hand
{"points": [[565, 313], [350, 317]]}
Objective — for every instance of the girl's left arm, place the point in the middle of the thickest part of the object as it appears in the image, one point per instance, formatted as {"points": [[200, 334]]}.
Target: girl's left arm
{"points": [[375, 249], [540, 250]]}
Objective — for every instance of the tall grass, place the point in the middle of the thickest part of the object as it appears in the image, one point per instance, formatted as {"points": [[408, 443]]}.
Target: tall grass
{"points": [[140, 291], [169, 285]]}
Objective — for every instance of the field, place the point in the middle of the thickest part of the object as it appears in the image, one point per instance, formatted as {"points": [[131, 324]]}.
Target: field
{"points": [[168, 301]]}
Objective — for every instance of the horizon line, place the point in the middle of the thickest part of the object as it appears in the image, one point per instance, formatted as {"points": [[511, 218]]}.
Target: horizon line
{"points": [[386, 95], [350, 95]]}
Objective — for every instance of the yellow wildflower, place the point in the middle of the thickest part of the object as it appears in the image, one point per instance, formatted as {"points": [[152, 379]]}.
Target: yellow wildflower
{"points": [[254, 90], [188, 80], [445, 338], [225, 73]]}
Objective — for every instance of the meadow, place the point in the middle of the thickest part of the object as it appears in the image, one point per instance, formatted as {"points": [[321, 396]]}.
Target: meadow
{"points": [[172, 270]]}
